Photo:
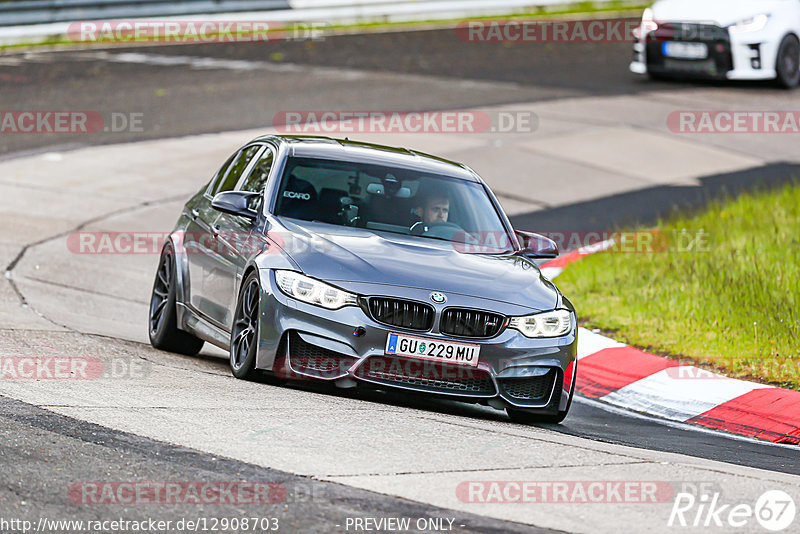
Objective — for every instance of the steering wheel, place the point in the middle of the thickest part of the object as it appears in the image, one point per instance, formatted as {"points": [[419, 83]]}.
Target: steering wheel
{"points": [[439, 230], [418, 228]]}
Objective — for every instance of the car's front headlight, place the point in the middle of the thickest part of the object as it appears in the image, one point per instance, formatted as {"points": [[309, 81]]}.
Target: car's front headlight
{"points": [[750, 24], [307, 289], [548, 324]]}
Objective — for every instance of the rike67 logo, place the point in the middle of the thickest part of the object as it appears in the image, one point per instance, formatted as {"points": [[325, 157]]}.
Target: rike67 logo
{"points": [[774, 510]]}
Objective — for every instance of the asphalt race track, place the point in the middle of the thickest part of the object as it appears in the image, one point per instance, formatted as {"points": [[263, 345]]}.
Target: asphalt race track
{"points": [[601, 157], [186, 100]]}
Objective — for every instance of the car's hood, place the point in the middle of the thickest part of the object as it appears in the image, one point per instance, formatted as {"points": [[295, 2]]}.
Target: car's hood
{"points": [[337, 253], [720, 12]]}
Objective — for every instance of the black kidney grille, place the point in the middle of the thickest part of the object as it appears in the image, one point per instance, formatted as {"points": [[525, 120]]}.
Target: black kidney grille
{"points": [[471, 323], [403, 313], [528, 389]]}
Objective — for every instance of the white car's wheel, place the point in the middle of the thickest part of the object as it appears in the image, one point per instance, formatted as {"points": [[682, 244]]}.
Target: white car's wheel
{"points": [[788, 62]]}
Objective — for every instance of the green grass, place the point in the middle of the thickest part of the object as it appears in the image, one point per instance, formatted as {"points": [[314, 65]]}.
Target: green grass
{"points": [[619, 8], [728, 303]]}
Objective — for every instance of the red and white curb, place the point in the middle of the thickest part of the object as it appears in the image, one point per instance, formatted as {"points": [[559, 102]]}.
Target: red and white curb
{"points": [[553, 268], [627, 377]]}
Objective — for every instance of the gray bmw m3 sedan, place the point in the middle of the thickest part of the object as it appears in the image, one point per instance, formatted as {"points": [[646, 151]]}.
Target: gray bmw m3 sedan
{"points": [[311, 258]]}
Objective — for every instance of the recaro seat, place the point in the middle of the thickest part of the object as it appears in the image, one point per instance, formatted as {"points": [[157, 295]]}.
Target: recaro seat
{"points": [[302, 202]]}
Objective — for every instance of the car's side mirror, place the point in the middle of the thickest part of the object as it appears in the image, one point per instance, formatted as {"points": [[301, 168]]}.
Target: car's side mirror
{"points": [[536, 246], [235, 203]]}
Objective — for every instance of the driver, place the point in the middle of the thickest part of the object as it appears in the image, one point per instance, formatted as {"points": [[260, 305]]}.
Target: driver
{"points": [[433, 208]]}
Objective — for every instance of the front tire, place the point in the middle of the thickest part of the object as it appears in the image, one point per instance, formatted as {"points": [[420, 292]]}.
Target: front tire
{"points": [[788, 63], [245, 331], [163, 323]]}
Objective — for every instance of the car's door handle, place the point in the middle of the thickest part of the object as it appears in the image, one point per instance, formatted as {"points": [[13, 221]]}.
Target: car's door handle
{"points": [[195, 213]]}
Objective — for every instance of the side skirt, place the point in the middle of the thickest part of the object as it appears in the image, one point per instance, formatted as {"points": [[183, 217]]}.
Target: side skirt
{"points": [[197, 325]]}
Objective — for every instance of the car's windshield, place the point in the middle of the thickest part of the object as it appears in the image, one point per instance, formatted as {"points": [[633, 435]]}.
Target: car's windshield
{"points": [[391, 199]]}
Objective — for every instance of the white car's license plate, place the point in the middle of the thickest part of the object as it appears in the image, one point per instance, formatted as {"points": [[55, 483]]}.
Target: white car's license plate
{"points": [[432, 349], [680, 50]]}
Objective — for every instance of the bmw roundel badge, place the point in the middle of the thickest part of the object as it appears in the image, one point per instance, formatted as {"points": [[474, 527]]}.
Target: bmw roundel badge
{"points": [[438, 298]]}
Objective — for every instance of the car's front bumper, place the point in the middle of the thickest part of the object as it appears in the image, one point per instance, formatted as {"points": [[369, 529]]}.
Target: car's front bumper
{"points": [[301, 341], [732, 56]]}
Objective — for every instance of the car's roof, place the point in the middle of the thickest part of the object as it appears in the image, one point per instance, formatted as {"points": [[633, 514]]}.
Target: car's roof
{"points": [[357, 151]]}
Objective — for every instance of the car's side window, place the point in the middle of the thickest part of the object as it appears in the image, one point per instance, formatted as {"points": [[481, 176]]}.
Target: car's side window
{"points": [[220, 174], [235, 170], [257, 179]]}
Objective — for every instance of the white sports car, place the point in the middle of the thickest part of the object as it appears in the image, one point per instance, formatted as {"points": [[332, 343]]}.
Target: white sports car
{"points": [[724, 39]]}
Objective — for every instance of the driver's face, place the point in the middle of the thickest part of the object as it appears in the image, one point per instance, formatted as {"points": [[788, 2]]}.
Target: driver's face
{"points": [[436, 210]]}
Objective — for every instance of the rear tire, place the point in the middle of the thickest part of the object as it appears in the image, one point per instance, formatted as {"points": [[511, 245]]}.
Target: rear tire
{"points": [[162, 323], [245, 331], [787, 66]]}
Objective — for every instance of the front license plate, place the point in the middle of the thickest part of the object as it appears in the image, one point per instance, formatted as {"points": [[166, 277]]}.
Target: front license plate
{"points": [[685, 50], [432, 349]]}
